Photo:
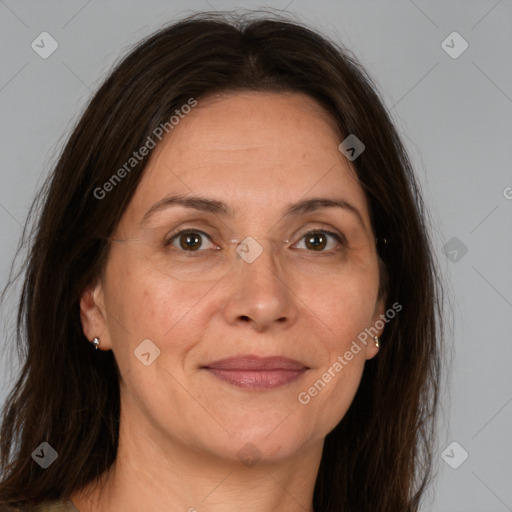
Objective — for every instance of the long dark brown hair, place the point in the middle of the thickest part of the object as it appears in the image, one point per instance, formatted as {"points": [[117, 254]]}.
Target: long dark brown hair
{"points": [[380, 456]]}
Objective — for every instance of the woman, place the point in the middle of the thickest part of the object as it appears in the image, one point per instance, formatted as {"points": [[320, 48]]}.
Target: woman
{"points": [[230, 300]]}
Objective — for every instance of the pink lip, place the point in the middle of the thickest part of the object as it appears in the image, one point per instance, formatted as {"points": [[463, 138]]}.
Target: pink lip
{"points": [[251, 372]]}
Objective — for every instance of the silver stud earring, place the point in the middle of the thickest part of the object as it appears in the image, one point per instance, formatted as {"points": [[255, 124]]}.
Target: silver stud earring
{"points": [[96, 343], [376, 338]]}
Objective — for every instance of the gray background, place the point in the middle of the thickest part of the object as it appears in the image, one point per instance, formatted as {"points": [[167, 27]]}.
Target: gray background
{"points": [[455, 116]]}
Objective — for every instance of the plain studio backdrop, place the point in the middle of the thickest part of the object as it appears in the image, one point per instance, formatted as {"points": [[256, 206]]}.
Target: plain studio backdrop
{"points": [[444, 71]]}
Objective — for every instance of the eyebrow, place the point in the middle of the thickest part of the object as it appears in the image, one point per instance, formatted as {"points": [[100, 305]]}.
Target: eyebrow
{"points": [[216, 207]]}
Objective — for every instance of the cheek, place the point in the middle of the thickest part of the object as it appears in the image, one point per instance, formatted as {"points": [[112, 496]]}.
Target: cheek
{"points": [[330, 390], [340, 390], [143, 304], [345, 309]]}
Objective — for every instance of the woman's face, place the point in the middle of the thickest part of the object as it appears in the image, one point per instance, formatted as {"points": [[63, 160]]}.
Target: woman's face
{"points": [[172, 314]]}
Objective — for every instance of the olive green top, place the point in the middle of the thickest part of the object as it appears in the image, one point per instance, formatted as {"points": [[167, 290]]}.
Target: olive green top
{"points": [[52, 506]]}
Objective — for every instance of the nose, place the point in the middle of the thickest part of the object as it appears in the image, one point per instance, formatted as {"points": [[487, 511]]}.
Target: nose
{"points": [[260, 292]]}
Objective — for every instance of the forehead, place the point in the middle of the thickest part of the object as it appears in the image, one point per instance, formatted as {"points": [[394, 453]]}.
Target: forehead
{"points": [[255, 151]]}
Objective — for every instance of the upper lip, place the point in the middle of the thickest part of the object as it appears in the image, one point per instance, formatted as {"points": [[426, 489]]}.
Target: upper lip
{"points": [[250, 362]]}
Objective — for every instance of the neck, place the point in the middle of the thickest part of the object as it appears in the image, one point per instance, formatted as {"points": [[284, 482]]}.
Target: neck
{"points": [[155, 473]]}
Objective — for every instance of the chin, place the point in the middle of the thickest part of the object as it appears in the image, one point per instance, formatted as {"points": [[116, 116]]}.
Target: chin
{"points": [[269, 441]]}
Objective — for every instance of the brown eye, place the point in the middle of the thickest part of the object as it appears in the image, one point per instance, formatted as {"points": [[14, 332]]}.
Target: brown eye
{"points": [[189, 240], [317, 240]]}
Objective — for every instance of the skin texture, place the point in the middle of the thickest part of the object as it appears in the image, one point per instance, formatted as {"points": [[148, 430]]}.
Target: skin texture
{"points": [[181, 427]]}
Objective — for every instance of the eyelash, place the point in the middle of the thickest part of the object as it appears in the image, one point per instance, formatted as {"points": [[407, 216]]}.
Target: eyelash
{"points": [[340, 238]]}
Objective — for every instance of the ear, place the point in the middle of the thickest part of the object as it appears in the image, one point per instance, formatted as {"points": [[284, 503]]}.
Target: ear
{"points": [[93, 315], [378, 324]]}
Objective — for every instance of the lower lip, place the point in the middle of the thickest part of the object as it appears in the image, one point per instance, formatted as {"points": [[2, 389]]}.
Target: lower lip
{"points": [[257, 379]]}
